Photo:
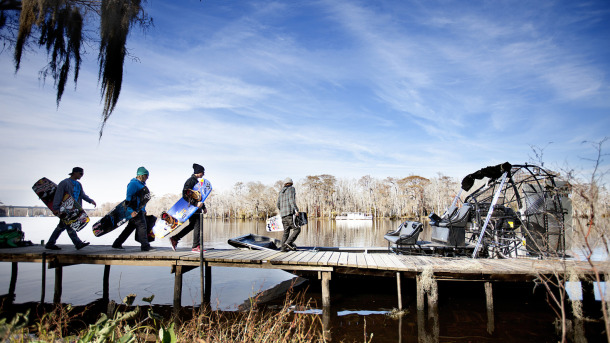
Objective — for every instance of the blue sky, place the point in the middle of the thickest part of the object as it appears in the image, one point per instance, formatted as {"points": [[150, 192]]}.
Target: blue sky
{"points": [[264, 90]]}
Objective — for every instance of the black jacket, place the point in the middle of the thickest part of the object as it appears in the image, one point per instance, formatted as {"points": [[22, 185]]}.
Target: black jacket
{"points": [[188, 185]]}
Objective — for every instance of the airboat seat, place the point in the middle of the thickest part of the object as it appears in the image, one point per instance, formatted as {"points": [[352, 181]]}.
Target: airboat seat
{"points": [[406, 234], [450, 229], [456, 217]]}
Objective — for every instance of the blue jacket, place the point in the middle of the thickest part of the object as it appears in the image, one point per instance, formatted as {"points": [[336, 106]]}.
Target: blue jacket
{"points": [[137, 196]]}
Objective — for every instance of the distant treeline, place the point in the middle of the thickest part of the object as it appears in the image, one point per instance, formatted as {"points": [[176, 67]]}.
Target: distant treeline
{"points": [[324, 196]]}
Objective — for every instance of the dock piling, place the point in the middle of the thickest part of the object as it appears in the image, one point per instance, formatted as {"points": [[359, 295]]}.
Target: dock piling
{"points": [[58, 284], [208, 284], [489, 300], [106, 284], [44, 277], [420, 293], [433, 299], [178, 289], [13, 284], [398, 286], [325, 276]]}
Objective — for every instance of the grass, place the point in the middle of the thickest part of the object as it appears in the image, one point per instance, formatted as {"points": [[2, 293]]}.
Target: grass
{"points": [[63, 323]]}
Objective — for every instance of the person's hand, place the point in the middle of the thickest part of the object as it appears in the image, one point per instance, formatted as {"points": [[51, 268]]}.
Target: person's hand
{"points": [[93, 202], [200, 204], [205, 210], [133, 214]]}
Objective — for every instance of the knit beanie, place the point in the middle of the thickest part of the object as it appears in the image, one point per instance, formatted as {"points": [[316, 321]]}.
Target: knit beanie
{"points": [[198, 169], [142, 171]]}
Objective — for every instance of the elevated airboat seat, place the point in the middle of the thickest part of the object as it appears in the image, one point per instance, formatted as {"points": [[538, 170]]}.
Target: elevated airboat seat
{"points": [[456, 217], [405, 235], [451, 228]]}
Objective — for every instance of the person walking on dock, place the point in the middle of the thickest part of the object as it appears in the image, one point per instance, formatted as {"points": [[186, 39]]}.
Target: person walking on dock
{"points": [[286, 203], [195, 219], [137, 197], [73, 187]]}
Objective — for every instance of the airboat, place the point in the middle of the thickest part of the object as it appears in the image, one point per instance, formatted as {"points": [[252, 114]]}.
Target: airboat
{"points": [[354, 216], [516, 211]]}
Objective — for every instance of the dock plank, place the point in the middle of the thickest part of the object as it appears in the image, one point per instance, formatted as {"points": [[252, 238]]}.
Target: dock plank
{"points": [[361, 261], [379, 261], [352, 260], [333, 258], [342, 260], [370, 261], [283, 257], [325, 259], [296, 258], [306, 260]]}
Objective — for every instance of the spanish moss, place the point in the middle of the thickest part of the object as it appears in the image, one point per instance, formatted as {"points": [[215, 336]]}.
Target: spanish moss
{"points": [[116, 19], [60, 26], [57, 26]]}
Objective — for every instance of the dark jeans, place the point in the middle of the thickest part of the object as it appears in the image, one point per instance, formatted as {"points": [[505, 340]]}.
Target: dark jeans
{"points": [[194, 223], [59, 229], [137, 223], [291, 231]]}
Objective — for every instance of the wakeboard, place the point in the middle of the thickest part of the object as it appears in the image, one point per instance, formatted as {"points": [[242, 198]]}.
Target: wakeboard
{"points": [[119, 215], [275, 224], [178, 214], [69, 211]]}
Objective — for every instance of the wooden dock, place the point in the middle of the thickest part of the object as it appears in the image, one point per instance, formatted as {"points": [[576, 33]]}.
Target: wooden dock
{"points": [[324, 264]]}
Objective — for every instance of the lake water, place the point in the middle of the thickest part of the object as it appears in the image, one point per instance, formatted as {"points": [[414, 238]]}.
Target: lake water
{"points": [[521, 313]]}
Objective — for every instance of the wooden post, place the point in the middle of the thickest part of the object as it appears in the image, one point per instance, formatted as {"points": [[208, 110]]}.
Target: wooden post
{"points": [[105, 284], [433, 299], [58, 283], [44, 277], [326, 333], [422, 335], [13, 284], [208, 284], [420, 293], [178, 290], [325, 276], [588, 293], [399, 288], [490, 307], [400, 329]]}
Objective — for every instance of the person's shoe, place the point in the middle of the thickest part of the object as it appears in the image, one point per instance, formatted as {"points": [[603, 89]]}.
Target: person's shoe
{"points": [[115, 246], [174, 243], [197, 249], [285, 248], [52, 247], [147, 248], [82, 245], [292, 246]]}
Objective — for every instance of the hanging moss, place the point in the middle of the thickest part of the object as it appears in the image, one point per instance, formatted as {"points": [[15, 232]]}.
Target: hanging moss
{"points": [[60, 24], [116, 19]]}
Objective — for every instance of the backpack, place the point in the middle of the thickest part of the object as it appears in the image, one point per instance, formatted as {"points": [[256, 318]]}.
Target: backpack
{"points": [[11, 235], [300, 219]]}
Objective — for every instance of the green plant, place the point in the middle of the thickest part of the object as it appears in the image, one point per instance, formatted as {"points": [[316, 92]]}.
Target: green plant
{"points": [[16, 327]]}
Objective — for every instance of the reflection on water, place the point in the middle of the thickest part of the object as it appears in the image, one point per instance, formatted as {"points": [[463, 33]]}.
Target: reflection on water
{"points": [[315, 233]]}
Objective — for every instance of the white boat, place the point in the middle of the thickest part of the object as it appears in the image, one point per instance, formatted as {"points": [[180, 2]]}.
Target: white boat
{"points": [[354, 216]]}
